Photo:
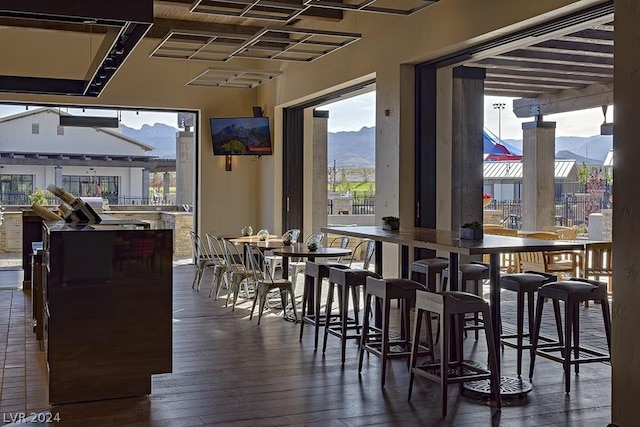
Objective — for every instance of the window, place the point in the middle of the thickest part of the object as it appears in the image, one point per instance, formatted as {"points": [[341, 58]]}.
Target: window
{"points": [[60, 130], [35, 128], [15, 189], [92, 186]]}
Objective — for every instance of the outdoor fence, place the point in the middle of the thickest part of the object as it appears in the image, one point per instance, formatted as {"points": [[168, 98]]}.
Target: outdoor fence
{"points": [[569, 210], [359, 206], [15, 198]]}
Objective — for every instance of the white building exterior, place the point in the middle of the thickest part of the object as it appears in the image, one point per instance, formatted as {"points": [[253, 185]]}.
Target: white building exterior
{"points": [[36, 151]]}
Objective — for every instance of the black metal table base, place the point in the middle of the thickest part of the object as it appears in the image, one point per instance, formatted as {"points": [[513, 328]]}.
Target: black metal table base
{"points": [[510, 387]]}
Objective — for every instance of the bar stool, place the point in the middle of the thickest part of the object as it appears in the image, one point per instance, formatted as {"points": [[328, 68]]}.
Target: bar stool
{"points": [[403, 290], [573, 292], [349, 281], [431, 268], [474, 272], [314, 273], [450, 305], [526, 285]]}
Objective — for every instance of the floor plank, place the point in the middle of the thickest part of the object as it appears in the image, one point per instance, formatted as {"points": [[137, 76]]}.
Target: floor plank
{"points": [[227, 370]]}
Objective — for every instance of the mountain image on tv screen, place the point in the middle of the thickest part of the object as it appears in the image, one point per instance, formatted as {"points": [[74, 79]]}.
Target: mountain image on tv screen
{"points": [[241, 136]]}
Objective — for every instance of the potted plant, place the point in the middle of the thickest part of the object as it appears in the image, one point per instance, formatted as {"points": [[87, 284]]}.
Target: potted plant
{"points": [[487, 198], [263, 235], [390, 223], [471, 231]]}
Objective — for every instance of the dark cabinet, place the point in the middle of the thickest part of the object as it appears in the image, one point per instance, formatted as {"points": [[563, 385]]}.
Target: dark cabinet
{"points": [[108, 301]]}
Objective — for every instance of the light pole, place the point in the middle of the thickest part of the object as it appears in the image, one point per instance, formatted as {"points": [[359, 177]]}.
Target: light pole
{"points": [[499, 106]]}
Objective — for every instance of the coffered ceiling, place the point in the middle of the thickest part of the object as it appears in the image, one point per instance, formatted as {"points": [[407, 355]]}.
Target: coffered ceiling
{"points": [[574, 57]]}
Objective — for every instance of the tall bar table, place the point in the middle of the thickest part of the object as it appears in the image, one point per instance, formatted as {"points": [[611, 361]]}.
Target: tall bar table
{"points": [[448, 241]]}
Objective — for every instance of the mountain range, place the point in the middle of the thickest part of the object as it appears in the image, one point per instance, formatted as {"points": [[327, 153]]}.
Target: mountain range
{"points": [[356, 149], [159, 135]]}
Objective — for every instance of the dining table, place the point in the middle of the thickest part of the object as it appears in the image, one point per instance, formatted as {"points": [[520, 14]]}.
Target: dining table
{"points": [[449, 241], [300, 250]]}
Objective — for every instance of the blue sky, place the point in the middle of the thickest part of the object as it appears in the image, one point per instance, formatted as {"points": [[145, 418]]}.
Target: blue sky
{"points": [[128, 117], [359, 111], [354, 113]]}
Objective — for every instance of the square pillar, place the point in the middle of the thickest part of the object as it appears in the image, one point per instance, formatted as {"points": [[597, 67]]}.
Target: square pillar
{"points": [[625, 343], [319, 171], [538, 174], [467, 145]]}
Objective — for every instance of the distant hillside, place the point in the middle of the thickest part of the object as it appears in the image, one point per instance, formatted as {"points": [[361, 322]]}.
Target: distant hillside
{"points": [[591, 149], [352, 149], [569, 155], [160, 136]]}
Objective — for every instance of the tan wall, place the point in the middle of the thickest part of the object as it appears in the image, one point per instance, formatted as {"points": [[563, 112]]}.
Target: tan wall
{"points": [[180, 222], [251, 193]]}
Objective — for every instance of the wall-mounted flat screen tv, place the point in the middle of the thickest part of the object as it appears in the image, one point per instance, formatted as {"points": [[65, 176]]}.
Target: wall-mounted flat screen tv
{"points": [[241, 136]]}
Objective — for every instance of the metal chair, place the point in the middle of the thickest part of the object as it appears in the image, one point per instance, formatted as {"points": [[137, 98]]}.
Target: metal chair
{"points": [[297, 265], [220, 267], [275, 261], [201, 257], [237, 272], [266, 283]]}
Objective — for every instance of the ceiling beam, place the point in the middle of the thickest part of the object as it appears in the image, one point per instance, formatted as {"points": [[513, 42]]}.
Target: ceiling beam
{"points": [[565, 101], [533, 84], [555, 58], [515, 64], [573, 48], [496, 74], [162, 27], [112, 11]]}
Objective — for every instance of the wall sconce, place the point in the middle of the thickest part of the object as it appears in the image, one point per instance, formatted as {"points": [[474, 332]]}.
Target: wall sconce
{"points": [[227, 163]]}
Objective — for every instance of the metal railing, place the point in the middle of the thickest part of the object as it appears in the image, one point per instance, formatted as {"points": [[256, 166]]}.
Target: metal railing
{"points": [[22, 199], [569, 210], [358, 206]]}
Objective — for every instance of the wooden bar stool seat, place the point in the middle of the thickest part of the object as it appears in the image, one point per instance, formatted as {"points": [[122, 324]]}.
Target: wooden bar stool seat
{"points": [[476, 273], [452, 368], [376, 340], [349, 282], [525, 285], [572, 292], [431, 268], [314, 273]]}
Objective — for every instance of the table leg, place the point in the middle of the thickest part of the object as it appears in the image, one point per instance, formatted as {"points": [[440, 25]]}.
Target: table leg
{"points": [[453, 272], [494, 301], [285, 267], [310, 285], [404, 266], [377, 318], [378, 258], [509, 386]]}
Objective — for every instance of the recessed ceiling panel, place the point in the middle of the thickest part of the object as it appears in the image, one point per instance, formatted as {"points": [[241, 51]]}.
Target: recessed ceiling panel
{"points": [[233, 78], [280, 43], [394, 7], [257, 9]]}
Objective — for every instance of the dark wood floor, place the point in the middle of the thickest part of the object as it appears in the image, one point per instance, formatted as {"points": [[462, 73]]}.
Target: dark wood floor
{"points": [[229, 371]]}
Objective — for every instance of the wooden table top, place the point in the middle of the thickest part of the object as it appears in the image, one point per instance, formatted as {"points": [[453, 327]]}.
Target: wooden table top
{"points": [[254, 239], [445, 240], [300, 249]]}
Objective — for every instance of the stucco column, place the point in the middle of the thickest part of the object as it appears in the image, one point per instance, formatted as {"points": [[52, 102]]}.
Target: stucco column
{"points": [[185, 167], [626, 231], [145, 186], [467, 149], [166, 185], [319, 172], [538, 181], [57, 177]]}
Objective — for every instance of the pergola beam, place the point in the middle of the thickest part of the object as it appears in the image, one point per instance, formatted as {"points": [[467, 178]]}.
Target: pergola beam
{"points": [[567, 100]]}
